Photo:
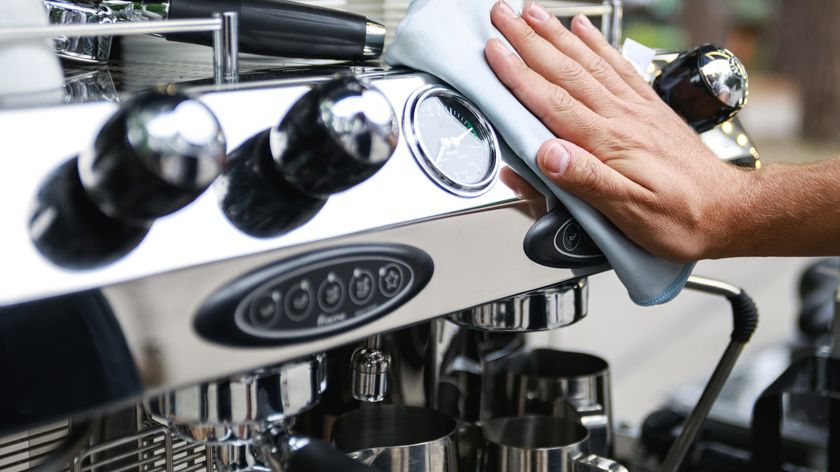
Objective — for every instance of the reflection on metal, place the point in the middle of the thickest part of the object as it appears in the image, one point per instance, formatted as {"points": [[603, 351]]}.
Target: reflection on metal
{"points": [[541, 381], [87, 86], [227, 411], [541, 310], [726, 77], [221, 27], [731, 143], [80, 48], [226, 48], [26, 450], [374, 39], [398, 438], [370, 367]]}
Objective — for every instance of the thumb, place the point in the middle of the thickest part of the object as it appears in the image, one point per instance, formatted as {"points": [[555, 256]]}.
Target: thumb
{"points": [[580, 173]]}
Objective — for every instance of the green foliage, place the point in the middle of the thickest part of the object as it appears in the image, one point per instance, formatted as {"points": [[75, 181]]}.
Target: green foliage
{"points": [[656, 35]]}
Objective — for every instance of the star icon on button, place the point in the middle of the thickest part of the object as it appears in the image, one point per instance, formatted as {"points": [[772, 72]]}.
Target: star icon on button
{"points": [[392, 280]]}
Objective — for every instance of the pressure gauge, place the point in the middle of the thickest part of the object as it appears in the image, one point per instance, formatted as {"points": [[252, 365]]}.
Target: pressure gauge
{"points": [[452, 141]]}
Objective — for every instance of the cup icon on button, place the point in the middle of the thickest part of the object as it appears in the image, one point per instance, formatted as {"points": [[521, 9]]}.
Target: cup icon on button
{"points": [[361, 286]]}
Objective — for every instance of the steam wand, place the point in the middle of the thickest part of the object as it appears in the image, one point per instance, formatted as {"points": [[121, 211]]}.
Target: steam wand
{"points": [[745, 320]]}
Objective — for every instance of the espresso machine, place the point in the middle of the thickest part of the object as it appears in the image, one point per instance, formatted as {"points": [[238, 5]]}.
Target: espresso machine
{"points": [[215, 262]]}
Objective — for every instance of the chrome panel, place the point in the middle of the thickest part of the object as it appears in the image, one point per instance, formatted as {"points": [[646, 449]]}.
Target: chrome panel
{"points": [[200, 234], [156, 313]]}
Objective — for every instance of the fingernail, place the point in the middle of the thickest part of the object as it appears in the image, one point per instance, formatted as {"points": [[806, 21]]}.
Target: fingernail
{"points": [[556, 159], [506, 9], [537, 12], [583, 20], [500, 46]]}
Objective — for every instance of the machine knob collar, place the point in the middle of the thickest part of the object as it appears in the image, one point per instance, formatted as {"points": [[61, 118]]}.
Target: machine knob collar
{"points": [[154, 156], [336, 136], [706, 85]]}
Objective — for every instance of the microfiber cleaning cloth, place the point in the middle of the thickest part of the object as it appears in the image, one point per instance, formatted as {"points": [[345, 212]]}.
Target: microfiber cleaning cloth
{"points": [[446, 38]]}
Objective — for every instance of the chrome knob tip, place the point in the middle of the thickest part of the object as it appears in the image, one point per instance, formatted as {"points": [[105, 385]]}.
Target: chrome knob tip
{"points": [[725, 76], [374, 39], [154, 156], [178, 139]]}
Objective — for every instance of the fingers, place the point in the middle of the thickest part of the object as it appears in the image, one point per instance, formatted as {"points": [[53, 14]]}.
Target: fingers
{"points": [[520, 186], [546, 60], [595, 41], [585, 176], [549, 27], [553, 105]]}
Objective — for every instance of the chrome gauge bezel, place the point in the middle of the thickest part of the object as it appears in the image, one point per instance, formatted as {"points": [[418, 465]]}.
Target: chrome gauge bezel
{"points": [[486, 133]]}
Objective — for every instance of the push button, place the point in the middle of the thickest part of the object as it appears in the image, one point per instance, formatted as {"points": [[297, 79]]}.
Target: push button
{"points": [[390, 280], [361, 287], [571, 237], [330, 293], [265, 310], [298, 304]]}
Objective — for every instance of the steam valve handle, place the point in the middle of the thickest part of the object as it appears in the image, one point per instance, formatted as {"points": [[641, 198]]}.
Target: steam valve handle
{"points": [[334, 137], [154, 156], [707, 85]]}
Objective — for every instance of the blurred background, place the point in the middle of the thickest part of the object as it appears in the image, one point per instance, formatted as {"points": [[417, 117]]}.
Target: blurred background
{"points": [[791, 49]]}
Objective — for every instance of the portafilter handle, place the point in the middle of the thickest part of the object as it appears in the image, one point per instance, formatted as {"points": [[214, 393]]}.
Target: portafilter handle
{"points": [[287, 453]]}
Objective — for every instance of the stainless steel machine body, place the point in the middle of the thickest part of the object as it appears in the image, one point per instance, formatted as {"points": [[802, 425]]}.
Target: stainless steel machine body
{"points": [[226, 306], [156, 290]]}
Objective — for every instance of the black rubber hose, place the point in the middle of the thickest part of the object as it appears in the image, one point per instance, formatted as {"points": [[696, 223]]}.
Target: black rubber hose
{"points": [[744, 317], [744, 310]]}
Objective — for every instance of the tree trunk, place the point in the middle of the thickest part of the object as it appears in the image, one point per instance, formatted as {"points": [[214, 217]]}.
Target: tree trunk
{"points": [[706, 21], [808, 51]]}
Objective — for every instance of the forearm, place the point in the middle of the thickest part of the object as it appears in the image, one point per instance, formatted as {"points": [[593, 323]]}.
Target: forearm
{"points": [[786, 210]]}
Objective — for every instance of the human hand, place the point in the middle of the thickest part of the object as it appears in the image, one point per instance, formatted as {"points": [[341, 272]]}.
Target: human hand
{"points": [[619, 147]]}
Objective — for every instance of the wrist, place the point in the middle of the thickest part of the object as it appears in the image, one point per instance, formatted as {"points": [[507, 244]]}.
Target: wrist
{"points": [[731, 213]]}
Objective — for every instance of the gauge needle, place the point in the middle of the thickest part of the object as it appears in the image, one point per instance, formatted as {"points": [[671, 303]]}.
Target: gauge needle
{"points": [[457, 140], [444, 145], [451, 143]]}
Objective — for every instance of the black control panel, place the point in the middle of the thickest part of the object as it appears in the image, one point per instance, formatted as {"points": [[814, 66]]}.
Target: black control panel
{"points": [[558, 240], [314, 295]]}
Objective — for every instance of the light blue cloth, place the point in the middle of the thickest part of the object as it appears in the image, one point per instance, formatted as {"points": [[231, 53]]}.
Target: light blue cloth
{"points": [[446, 38]]}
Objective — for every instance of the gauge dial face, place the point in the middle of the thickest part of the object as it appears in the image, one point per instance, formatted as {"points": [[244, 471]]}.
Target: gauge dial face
{"points": [[454, 143]]}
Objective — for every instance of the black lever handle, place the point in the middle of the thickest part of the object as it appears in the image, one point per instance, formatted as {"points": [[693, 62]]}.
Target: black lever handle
{"points": [[318, 456], [288, 29]]}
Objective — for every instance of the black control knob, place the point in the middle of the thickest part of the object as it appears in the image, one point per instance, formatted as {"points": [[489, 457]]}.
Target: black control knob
{"points": [[336, 136], [706, 85], [154, 156]]}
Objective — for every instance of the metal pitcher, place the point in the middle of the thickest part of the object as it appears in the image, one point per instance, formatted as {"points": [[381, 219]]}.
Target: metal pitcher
{"points": [[541, 381], [540, 444], [397, 438]]}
